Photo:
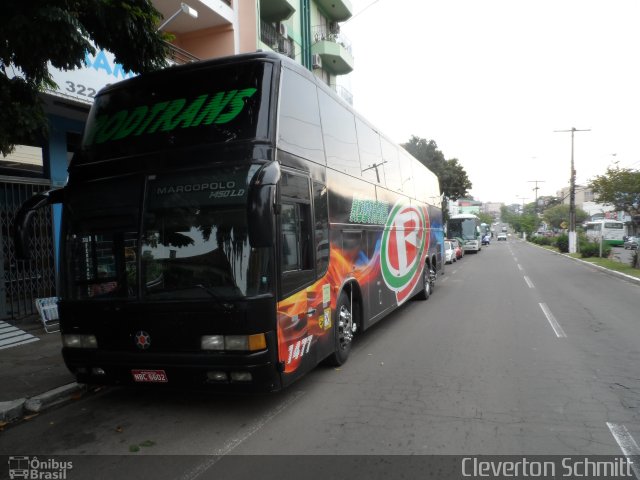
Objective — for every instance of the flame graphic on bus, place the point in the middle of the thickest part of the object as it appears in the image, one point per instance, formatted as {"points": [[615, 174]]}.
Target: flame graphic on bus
{"points": [[398, 259], [294, 322]]}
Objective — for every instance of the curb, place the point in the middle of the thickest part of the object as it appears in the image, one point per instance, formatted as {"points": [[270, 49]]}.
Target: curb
{"points": [[13, 410], [622, 276], [613, 273]]}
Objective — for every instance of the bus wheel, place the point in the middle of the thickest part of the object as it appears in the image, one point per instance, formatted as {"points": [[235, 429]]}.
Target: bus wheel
{"points": [[427, 284], [344, 328]]}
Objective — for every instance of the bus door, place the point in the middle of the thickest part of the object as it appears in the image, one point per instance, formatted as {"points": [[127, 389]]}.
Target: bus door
{"points": [[299, 306]]}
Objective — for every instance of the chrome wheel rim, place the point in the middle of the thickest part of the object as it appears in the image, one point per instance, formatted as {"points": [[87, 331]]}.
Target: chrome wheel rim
{"points": [[346, 327]]}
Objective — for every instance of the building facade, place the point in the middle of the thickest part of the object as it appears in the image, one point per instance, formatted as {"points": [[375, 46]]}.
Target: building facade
{"points": [[308, 31]]}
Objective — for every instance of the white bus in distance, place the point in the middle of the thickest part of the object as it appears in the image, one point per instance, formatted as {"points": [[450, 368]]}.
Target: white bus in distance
{"points": [[611, 231]]}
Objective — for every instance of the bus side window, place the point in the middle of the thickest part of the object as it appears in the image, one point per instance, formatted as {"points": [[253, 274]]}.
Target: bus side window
{"points": [[296, 241]]}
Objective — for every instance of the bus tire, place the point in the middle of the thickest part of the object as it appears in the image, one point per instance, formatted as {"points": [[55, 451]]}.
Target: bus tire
{"points": [[427, 287], [344, 329]]}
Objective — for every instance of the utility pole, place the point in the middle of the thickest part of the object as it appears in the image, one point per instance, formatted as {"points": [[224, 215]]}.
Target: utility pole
{"points": [[572, 195], [535, 208]]}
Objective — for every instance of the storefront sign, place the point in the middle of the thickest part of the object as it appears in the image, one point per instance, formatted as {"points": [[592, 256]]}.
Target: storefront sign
{"points": [[82, 84]]}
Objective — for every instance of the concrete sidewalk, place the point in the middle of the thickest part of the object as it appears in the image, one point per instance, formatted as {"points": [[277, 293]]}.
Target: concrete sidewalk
{"points": [[33, 375]]}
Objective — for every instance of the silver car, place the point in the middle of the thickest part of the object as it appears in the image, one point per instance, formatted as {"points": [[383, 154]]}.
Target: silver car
{"points": [[631, 243], [449, 252]]}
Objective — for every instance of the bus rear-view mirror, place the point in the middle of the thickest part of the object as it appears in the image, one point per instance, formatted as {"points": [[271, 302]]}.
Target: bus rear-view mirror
{"points": [[261, 206], [24, 218]]}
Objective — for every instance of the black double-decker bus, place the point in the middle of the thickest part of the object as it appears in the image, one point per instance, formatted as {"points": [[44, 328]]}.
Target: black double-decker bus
{"points": [[233, 223]]}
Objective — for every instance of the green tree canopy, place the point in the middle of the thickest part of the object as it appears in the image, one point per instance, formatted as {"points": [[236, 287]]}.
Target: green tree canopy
{"points": [[454, 182], [486, 218], [34, 33], [554, 216], [619, 187]]}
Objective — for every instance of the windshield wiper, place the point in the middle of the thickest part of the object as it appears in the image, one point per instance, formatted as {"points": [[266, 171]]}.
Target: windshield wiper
{"points": [[227, 306]]}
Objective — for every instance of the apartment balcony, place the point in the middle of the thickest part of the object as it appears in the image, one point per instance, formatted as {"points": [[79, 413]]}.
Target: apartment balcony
{"points": [[178, 56], [336, 10], [273, 38], [334, 50], [276, 10], [211, 13]]}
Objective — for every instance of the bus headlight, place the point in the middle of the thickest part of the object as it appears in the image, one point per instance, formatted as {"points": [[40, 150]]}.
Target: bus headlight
{"points": [[212, 342], [246, 343], [79, 341]]}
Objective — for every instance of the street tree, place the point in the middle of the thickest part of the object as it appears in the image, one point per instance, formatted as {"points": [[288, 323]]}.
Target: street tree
{"points": [[486, 218], [558, 215], [60, 32], [619, 187], [454, 182]]}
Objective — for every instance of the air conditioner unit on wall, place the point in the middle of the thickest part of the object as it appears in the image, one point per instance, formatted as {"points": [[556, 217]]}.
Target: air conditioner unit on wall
{"points": [[282, 29], [316, 61]]}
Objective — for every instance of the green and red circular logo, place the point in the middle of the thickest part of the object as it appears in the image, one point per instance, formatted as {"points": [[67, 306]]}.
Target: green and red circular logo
{"points": [[405, 243]]}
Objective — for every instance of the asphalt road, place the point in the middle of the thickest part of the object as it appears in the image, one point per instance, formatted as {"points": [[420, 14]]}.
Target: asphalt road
{"points": [[518, 352]]}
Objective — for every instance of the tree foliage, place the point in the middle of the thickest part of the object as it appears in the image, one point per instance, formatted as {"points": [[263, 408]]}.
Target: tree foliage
{"points": [[619, 187], [486, 218], [555, 216], [60, 32], [454, 182]]}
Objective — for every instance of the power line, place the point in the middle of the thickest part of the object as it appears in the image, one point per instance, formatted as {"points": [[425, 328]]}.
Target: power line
{"points": [[365, 8]]}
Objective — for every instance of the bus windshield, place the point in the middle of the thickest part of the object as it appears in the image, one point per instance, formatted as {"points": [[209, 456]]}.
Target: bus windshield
{"points": [[463, 228], [193, 245]]}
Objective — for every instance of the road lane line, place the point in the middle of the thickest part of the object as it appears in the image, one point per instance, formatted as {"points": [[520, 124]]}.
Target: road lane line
{"points": [[627, 444], [520, 268], [235, 442], [552, 321], [529, 282]]}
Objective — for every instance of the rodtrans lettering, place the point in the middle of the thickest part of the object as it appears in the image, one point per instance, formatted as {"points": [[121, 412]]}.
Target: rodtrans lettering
{"points": [[221, 107]]}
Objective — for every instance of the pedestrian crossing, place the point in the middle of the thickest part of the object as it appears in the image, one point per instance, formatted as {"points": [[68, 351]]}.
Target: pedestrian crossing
{"points": [[11, 336]]}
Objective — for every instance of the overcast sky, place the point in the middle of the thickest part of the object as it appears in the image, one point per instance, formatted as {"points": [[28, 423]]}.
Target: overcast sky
{"points": [[490, 81]]}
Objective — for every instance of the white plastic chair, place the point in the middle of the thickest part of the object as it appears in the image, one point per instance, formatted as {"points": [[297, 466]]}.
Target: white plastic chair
{"points": [[48, 310]]}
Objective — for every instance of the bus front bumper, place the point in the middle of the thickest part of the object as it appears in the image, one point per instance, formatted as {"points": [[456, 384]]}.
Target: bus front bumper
{"points": [[225, 372]]}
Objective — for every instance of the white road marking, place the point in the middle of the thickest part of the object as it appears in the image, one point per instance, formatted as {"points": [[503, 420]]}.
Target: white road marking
{"points": [[627, 444], [11, 336], [234, 442], [529, 282], [520, 268], [552, 321]]}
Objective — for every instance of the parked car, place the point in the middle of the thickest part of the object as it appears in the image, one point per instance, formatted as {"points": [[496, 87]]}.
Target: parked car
{"points": [[502, 236], [449, 252], [631, 243], [457, 246]]}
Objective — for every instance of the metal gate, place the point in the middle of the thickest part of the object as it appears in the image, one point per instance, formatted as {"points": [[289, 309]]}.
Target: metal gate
{"points": [[24, 281]]}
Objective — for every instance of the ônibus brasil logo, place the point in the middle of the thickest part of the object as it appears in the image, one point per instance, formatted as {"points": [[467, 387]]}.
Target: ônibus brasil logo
{"points": [[405, 243]]}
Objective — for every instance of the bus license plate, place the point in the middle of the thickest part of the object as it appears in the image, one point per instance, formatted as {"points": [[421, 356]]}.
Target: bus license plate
{"points": [[149, 376]]}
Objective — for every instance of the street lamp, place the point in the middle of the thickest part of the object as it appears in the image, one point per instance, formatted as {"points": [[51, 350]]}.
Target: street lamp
{"points": [[184, 8]]}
